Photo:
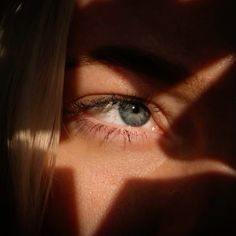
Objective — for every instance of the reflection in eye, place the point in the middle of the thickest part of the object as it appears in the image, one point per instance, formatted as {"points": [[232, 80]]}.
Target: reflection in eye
{"points": [[114, 116]]}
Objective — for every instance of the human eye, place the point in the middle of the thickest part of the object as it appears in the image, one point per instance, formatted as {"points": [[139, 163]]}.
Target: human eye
{"points": [[119, 119]]}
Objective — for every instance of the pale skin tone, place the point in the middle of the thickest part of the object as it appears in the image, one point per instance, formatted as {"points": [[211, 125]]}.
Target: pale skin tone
{"points": [[165, 179]]}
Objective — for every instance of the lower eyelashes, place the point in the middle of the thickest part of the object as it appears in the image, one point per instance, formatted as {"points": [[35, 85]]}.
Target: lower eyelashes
{"points": [[103, 133]]}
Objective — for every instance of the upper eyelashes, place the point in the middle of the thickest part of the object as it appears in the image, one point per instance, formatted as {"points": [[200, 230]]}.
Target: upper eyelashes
{"points": [[130, 111]]}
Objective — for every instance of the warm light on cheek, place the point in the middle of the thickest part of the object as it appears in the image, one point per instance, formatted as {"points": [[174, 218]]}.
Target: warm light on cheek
{"points": [[112, 164], [117, 147], [109, 161]]}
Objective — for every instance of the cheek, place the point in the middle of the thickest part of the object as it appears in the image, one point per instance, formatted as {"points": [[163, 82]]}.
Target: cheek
{"points": [[100, 179], [97, 190]]}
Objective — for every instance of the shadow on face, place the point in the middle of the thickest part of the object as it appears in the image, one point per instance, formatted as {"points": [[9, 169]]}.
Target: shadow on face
{"points": [[211, 133], [189, 206], [193, 34], [61, 215]]}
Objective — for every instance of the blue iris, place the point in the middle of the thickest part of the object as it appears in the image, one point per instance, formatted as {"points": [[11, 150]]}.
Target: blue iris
{"points": [[134, 114]]}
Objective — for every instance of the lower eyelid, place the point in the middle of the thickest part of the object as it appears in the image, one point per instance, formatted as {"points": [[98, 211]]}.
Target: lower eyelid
{"points": [[89, 128]]}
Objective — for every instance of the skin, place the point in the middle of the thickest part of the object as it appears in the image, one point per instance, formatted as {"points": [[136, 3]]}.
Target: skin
{"points": [[181, 179]]}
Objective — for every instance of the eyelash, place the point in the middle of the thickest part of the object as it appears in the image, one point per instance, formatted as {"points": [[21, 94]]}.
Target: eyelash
{"points": [[107, 132], [75, 114]]}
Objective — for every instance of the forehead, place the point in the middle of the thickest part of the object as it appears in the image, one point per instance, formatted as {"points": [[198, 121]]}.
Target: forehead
{"points": [[186, 32]]}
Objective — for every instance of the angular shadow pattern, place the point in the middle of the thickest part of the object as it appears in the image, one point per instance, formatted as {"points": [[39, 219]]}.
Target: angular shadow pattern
{"points": [[197, 204], [189, 206], [61, 216], [207, 128]]}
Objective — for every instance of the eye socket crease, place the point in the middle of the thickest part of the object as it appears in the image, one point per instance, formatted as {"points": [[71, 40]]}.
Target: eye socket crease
{"points": [[134, 60]]}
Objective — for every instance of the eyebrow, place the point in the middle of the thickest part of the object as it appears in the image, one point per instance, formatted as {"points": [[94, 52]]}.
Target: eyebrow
{"points": [[135, 60]]}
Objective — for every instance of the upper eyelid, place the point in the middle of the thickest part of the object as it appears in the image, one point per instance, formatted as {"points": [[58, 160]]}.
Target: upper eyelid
{"points": [[126, 95], [69, 107]]}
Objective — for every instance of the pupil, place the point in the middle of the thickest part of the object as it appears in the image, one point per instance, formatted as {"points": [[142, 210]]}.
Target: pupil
{"points": [[134, 114], [135, 109]]}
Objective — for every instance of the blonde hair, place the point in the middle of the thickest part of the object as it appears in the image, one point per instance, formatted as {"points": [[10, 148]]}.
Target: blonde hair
{"points": [[33, 39]]}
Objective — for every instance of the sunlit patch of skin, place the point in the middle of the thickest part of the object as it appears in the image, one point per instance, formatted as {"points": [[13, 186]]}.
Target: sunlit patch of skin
{"points": [[192, 88], [102, 185]]}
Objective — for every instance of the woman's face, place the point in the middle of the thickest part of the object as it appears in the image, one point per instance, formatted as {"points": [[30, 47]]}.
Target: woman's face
{"points": [[147, 139]]}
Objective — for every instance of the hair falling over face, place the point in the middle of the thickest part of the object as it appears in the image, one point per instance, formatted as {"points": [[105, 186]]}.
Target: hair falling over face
{"points": [[31, 70]]}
